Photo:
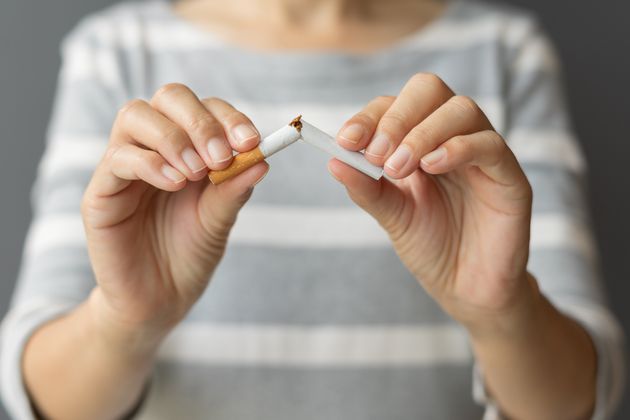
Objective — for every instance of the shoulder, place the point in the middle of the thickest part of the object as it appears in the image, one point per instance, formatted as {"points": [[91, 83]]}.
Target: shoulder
{"points": [[508, 26], [515, 33], [121, 26]]}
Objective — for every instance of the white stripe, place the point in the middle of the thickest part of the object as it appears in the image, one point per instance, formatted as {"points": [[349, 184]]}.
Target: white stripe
{"points": [[558, 231], [69, 153], [53, 232], [609, 341], [552, 147], [465, 34], [330, 117], [308, 227], [164, 35], [84, 62], [156, 35], [15, 329], [537, 55], [160, 35], [315, 228], [316, 346]]}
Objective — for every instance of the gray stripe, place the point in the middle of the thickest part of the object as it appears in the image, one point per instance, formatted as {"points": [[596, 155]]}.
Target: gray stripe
{"points": [[64, 273], [296, 286], [61, 193], [323, 78], [535, 100], [84, 107], [298, 177], [566, 274], [233, 393], [557, 190]]}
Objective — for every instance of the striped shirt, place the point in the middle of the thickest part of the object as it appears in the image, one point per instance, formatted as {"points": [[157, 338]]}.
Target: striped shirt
{"points": [[311, 314]]}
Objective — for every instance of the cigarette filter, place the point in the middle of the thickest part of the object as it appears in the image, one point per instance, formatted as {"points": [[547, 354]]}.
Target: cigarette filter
{"points": [[323, 141], [267, 147]]}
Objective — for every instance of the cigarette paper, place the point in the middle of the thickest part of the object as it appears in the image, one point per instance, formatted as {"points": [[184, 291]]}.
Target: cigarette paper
{"points": [[267, 147], [325, 142]]}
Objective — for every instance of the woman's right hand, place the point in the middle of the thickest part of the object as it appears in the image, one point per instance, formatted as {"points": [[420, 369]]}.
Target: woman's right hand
{"points": [[156, 227]]}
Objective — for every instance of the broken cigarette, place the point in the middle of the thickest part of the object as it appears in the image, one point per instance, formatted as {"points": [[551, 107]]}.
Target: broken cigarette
{"points": [[316, 137], [267, 147], [298, 128]]}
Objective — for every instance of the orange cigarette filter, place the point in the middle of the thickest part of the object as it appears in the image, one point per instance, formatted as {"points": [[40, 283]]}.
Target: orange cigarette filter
{"points": [[268, 146]]}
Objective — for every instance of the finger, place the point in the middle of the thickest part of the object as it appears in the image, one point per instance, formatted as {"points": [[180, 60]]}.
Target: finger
{"points": [[356, 133], [460, 115], [139, 123], [180, 105], [110, 198], [381, 198], [219, 204], [130, 162], [485, 149], [422, 95], [241, 132]]}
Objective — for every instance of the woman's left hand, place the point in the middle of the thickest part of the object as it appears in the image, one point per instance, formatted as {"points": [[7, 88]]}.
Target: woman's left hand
{"points": [[457, 206]]}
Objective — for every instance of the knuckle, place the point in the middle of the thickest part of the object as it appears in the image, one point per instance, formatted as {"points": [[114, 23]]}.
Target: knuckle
{"points": [[130, 107], [234, 117], [497, 140], [465, 103], [384, 99], [459, 144], [423, 132], [173, 139], [110, 153], [213, 101], [430, 79], [394, 118], [87, 203], [365, 118], [169, 90], [151, 159], [202, 124], [504, 150]]}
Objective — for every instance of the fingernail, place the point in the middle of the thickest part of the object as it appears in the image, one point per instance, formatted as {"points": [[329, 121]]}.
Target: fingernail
{"points": [[192, 160], [434, 157], [244, 133], [352, 133], [218, 151], [379, 146], [333, 174], [172, 174], [261, 178], [399, 159]]}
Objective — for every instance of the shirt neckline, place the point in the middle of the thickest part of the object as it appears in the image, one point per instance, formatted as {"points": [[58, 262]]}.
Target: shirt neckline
{"points": [[452, 6]]}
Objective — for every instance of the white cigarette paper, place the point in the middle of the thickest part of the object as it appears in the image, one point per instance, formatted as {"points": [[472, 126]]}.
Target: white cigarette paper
{"points": [[327, 143], [278, 140]]}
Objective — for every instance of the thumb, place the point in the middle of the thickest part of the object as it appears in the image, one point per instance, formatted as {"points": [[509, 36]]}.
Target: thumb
{"points": [[219, 204], [381, 199]]}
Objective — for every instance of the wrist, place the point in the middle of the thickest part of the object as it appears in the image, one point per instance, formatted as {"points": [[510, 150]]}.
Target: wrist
{"points": [[525, 311], [118, 336]]}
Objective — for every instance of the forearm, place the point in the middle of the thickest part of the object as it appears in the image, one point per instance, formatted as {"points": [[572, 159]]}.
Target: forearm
{"points": [[74, 370], [538, 365]]}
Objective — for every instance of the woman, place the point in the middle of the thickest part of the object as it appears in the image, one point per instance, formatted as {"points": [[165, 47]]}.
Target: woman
{"points": [[315, 310]]}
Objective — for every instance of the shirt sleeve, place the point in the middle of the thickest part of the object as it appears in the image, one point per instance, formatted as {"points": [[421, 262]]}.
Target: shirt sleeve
{"points": [[563, 253], [55, 273]]}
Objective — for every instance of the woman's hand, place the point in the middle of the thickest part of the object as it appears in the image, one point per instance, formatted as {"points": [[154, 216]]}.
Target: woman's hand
{"points": [[156, 227], [457, 206]]}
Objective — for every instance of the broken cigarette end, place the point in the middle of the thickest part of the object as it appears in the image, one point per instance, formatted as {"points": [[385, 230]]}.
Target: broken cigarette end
{"points": [[297, 123]]}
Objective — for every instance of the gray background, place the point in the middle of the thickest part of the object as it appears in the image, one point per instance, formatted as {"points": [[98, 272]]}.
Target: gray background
{"points": [[593, 38]]}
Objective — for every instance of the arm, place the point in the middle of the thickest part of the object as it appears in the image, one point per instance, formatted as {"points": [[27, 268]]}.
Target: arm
{"points": [[458, 211], [103, 373], [156, 228], [537, 362]]}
